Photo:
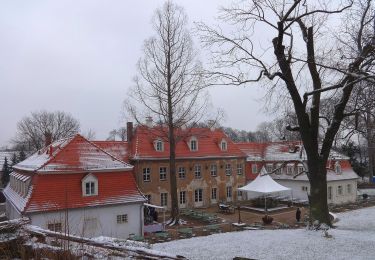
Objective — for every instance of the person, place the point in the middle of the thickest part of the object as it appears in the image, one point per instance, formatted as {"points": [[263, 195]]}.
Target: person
{"points": [[298, 215]]}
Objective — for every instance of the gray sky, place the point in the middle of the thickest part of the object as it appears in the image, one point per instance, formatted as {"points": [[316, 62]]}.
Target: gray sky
{"points": [[80, 57]]}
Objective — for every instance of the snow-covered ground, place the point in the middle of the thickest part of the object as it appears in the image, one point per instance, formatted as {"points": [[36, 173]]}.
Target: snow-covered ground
{"points": [[354, 238]]}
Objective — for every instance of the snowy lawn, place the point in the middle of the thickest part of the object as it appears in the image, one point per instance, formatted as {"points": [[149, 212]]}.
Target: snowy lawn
{"points": [[354, 238]]}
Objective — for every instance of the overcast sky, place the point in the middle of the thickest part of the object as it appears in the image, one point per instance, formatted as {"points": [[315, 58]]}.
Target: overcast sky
{"points": [[80, 57]]}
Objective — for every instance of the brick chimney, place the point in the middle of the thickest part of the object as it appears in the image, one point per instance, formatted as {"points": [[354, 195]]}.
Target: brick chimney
{"points": [[129, 131], [149, 121], [47, 139]]}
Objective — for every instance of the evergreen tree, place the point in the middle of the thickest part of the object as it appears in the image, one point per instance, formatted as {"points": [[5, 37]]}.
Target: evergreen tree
{"points": [[6, 172], [14, 159]]}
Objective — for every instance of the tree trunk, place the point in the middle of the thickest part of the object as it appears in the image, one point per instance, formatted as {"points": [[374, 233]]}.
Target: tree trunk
{"points": [[175, 212], [318, 191]]}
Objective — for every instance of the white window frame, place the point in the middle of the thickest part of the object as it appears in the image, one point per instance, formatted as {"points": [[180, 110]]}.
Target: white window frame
{"points": [[182, 198], [223, 145], [254, 168], [193, 144], [214, 194], [181, 172], [55, 226], [269, 167], [305, 188], [239, 168], [197, 171], [290, 169], [159, 145], [228, 169], [91, 180], [239, 193], [122, 219], [163, 174], [146, 174], [164, 199], [213, 170], [229, 192], [198, 196]]}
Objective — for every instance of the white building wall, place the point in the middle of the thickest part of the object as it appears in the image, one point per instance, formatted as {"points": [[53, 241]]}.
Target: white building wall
{"points": [[100, 221], [345, 197], [11, 212]]}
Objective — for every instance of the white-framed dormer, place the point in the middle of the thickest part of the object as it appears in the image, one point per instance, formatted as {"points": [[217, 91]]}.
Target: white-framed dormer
{"points": [[193, 144], [338, 169], [223, 145], [90, 185], [159, 145]]}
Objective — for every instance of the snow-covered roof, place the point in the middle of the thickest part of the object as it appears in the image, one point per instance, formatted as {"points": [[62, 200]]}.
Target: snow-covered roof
{"points": [[346, 174], [72, 154], [264, 184]]}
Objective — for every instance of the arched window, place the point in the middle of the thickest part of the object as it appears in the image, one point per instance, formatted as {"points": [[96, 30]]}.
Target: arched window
{"points": [[159, 145], [193, 144], [89, 185], [223, 145]]}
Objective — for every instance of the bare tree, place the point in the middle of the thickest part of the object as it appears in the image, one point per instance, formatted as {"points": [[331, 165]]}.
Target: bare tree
{"points": [[31, 130], [169, 85], [119, 133], [307, 59]]}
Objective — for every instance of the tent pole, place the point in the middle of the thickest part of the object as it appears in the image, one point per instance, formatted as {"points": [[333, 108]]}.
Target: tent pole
{"points": [[265, 204], [292, 196]]}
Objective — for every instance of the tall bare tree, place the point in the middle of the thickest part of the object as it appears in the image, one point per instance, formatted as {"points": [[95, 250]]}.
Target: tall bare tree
{"points": [[169, 84], [31, 130], [307, 59]]}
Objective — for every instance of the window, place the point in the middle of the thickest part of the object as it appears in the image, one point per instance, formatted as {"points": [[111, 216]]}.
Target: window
{"points": [[159, 145], [163, 199], [122, 218], [182, 197], [197, 171], [329, 192], [214, 193], [146, 174], [239, 168], [181, 172], [198, 195], [163, 173], [337, 167], [213, 170], [89, 185], [223, 145], [349, 188], [339, 190], [56, 227], [305, 188], [229, 192], [228, 169], [148, 197], [193, 144], [290, 169], [300, 168], [254, 169], [269, 167], [239, 193], [278, 168]]}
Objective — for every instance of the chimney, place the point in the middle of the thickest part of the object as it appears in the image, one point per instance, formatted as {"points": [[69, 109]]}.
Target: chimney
{"points": [[129, 131], [47, 139], [211, 124], [149, 121]]}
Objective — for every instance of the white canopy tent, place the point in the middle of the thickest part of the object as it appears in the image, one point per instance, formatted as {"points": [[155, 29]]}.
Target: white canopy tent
{"points": [[264, 185]]}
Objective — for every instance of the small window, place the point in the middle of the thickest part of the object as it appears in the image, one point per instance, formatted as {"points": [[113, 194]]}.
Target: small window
{"points": [[228, 169], [223, 145], [213, 170], [182, 197], [278, 168], [89, 185], [339, 190], [239, 192], [229, 192], [159, 145], [163, 173], [122, 218], [349, 188], [198, 195], [300, 169], [337, 167], [163, 199], [146, 174], [197, 171], [269, 167], [305, 188], [56, 227], [290, 170], [193, 144], [181, 172], [214, 193], [254, 168], [239, 169]]}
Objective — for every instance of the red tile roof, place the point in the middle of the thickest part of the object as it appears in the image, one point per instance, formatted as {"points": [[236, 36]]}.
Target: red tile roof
{"points": [[208, 144], [72, 154], [59, 191], [118, 149]]}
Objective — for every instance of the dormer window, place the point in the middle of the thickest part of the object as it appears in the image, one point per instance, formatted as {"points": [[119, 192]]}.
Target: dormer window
{"points": [[193, 144], [89, 185], [159, 146], [338, 168], [223, 145]]}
